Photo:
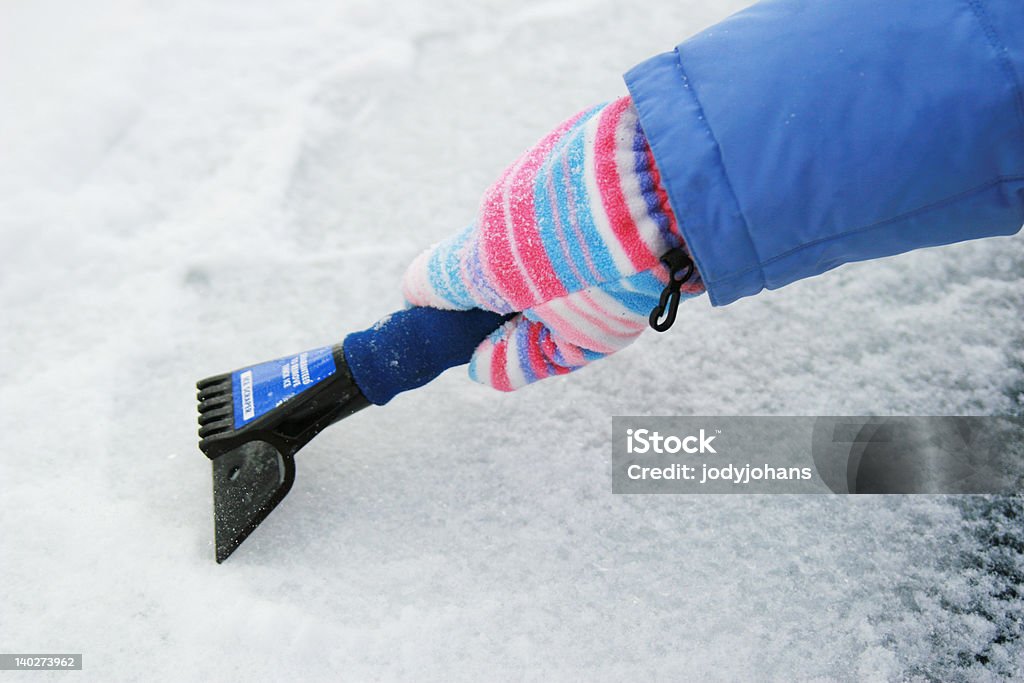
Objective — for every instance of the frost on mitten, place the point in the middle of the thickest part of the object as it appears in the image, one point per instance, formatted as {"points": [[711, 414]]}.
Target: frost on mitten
{"points": [[570, 237]]}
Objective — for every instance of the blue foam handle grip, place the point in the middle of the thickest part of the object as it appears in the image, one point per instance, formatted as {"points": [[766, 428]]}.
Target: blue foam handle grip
{"points": [[409, 348]]}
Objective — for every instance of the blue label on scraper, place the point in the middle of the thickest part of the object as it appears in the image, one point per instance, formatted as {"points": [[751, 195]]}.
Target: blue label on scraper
{"points": [[261, 388]]}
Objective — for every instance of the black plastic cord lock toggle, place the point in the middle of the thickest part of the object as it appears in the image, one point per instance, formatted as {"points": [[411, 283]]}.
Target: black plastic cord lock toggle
{"points": [[680, 268]]}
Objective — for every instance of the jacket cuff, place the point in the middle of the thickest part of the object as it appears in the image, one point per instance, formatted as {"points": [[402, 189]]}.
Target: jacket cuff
{"points": [[695, 179]]}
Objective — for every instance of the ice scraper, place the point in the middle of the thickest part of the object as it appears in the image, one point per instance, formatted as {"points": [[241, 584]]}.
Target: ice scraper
{"points": [[252, 421]]}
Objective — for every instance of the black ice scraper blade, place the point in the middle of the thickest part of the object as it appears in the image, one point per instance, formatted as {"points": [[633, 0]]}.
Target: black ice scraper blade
{"points": [[248, 482], [253, 421]]}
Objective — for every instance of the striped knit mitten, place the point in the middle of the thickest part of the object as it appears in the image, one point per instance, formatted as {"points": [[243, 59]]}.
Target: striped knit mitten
{"points": [[570, 237]]}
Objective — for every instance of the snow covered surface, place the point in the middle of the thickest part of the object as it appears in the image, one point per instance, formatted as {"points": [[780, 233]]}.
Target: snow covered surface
{"points": [[186, 187]]}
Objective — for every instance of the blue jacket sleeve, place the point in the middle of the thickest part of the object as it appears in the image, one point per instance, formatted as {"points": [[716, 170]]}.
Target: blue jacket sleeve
{"points": [[798, 135]]}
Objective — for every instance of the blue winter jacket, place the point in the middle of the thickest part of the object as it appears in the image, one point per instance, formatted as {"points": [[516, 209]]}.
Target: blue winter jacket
{"points": [[799, 135]]}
